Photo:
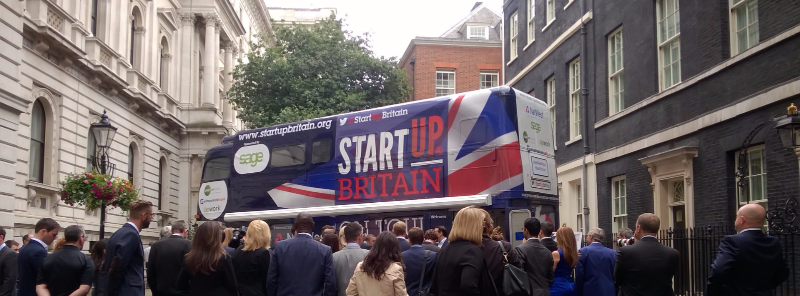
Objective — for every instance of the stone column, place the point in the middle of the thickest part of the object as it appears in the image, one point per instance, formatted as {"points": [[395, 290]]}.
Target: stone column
{"points": [[185, 69], [209, 62], [217, 48], [227, 115]]}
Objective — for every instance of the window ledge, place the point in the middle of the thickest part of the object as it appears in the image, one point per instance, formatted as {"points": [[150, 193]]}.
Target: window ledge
{"points": [[574, 140], [512, 60], [529, 45], [548, 24], [568, 4]]}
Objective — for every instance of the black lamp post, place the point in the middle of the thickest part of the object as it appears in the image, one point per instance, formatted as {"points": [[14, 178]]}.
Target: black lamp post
{"points": [[103, 133], [782, 218]]}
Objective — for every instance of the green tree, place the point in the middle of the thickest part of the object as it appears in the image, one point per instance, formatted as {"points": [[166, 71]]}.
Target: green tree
{"points": [[313, 72]]}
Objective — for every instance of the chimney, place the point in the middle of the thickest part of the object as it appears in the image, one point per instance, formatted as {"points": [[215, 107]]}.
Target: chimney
{"points": [[476, 6]]}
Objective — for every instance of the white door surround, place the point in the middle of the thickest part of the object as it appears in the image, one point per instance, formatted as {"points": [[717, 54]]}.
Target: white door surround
{"points": [[669, 171]]}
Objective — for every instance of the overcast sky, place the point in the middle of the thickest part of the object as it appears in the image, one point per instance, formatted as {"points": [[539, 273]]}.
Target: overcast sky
{"points": [[393, 24]]}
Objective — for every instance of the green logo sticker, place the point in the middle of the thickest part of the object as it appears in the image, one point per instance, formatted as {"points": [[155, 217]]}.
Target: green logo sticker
{"points": [[252, 159], [525, 136], [207, 190]]}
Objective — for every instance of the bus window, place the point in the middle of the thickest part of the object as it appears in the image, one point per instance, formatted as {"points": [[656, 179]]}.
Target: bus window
{"points": [[321, 151], [283, 156], [216, 169]]}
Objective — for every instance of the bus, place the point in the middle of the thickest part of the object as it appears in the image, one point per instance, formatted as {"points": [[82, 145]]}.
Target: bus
{"points": [[418, 162]]}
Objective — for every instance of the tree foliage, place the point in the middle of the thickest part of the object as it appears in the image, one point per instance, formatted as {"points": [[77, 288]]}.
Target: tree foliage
{"points": [[313, 72]]}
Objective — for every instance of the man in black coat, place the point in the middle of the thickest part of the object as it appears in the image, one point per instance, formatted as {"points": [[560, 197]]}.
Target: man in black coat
{"points": [[31, 256], [166, 260], [67, 271], [123, 267], [536, 259], [8, 267], [647, 267], [546, 236], [750, 262]]}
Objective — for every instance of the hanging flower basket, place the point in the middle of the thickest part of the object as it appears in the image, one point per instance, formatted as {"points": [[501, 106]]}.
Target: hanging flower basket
{"points": [[92, 188]]}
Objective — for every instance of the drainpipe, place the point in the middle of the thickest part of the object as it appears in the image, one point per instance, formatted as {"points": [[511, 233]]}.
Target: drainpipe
{"points": [[585, 121], [412, 62]]}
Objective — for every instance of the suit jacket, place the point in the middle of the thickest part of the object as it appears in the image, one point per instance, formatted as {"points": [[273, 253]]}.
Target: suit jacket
{"points": [[537, 261], [365, 246], [123, 264], [594, 271], [494, 259], [460, 269], [30, 260], [443, 243], [166, 260], [345, 262], [301, 267], [404, 245], [220, 282], [748, 263], [413, 262], [391, 283], [646, 268], [430, 247], [549, 243], [8, 271]]}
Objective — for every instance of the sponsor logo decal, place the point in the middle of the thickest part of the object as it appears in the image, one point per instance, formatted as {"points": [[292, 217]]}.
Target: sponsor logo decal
{"points": [[533, 112], [251, 159], [213, 200], [207, 190], [525, 136], [539, 166], [535, 126], [342, 121]]}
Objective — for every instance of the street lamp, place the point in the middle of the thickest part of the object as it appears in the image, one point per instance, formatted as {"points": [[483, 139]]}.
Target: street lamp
{"points": [[783, 217], [103, 133]]}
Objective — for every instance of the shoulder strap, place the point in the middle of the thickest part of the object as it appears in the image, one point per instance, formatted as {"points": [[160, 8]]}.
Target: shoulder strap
{"points": [[422, 273], [505, 254]]}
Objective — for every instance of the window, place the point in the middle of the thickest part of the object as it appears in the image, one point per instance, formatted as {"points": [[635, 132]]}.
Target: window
{"points": [[575, 99], [321, 151], [579, 216], [531, 23], [551, 11], [131, 164], [163, 64], [616, 84], [216, 169], [38, 127], [669, 43], [445, 82], [619, 204], [513, 23], [488, 79], [551, 101], [478, 32], [94, 17], [744, 25], [756, 178], [91, 152], [133, 39], [283, 156], [162, 182]]}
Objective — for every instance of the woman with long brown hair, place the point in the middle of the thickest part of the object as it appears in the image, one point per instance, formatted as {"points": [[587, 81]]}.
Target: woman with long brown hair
{"points": [[564, 261], [98, 254], [208, 269], [381, 272]]}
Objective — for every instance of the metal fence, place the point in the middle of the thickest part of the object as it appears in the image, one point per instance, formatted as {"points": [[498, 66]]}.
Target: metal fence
{"points": [[698, 248]]}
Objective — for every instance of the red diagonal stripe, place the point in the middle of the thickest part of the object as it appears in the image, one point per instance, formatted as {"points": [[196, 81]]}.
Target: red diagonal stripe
{"points": [[451, 115], [319, 195], [485, 172]]}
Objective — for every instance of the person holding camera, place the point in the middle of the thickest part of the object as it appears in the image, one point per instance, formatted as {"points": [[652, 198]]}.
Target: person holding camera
{"points": [[625, 237]]}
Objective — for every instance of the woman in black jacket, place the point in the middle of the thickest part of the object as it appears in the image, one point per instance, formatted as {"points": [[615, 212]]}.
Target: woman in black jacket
{"points": [[208, 269], [251, 262], [460, 265]]}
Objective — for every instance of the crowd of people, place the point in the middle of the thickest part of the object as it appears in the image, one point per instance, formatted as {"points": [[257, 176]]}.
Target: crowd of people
{"points": [[472, 258]]}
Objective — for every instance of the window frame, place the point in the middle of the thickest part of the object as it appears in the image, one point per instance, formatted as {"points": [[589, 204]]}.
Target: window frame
{"points": [[436, 82], [42, 143], [531, 23], [163, 170], [131, 159], [575, 99], [579, 216], [550, 93], [619, 218], [733, 8], [668, 44], [513, 34], [484, 36], [228, 161], [93, 17], [321, 143], [483, 74], [763, 175], [276, 148], [550, 12], [616, 104]]}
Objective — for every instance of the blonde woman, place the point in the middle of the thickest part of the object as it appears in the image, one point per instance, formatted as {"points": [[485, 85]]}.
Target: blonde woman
{"points": [[564, 260], [342, 241], [460, 266], [251, 262]]}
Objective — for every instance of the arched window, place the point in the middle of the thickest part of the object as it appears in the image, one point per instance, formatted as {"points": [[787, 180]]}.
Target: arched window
{"points": [[38, 127], [131, 163], [163, 70], [94, 17], [91, 152], [137, 34], [162, 182]]}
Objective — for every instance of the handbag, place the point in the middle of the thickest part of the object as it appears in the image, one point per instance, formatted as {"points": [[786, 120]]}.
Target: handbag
{"points": [[515, 280], [420, 291]]}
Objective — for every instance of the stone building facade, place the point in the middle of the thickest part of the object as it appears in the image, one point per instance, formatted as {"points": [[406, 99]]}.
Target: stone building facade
{"points": [[159, 69]]}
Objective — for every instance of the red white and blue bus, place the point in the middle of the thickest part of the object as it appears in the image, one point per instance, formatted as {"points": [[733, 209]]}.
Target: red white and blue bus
{"points": [[416, 162]]}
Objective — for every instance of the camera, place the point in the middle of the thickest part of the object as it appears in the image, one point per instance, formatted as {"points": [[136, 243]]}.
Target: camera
{"points": [[625, 242]]}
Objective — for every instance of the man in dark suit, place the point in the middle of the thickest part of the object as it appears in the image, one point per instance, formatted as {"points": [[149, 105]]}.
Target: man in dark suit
{"points": [[8, 267], [399, 230], [31, 256], [413, 258], [647, 267], [123, 267], [750, 262], [536, 259], [301, 266], [67, 272], [166, 260], [441, 232], [367, 244], [430, 241], [595, 270], [546, 236]]}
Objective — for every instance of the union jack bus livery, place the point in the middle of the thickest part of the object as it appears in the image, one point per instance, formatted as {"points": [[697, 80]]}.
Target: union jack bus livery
{"points": [[415, 162]]}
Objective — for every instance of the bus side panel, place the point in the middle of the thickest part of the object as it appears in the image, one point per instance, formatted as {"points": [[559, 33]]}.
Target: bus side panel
{"points": [[537, 153]]}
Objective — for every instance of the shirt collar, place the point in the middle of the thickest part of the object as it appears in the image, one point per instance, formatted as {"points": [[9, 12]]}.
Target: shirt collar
{"points": [[175, 234], [2, 246], [596, 243], [653, 236], [534, 239], [750, 229], [305, 233], [353, 244], [40, 242], [401, 237], [134, 225]]}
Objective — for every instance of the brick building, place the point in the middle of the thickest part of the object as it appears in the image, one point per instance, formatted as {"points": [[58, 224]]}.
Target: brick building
{"points": [[653, 122], [466, 57]]}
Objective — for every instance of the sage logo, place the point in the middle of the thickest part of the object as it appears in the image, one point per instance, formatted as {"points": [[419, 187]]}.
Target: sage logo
{"points": [[525, 136], [535, 126], [251, 159], [207, 190]]}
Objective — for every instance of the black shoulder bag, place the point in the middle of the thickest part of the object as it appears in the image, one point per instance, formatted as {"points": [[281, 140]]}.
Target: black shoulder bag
{"points": [[420, 291], [515, 280]]}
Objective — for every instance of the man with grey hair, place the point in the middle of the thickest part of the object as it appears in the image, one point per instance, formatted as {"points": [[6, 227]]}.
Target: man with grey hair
{"points": [[166, 260], [625, 237], [67, 271], [166, 231], [595, 269]]}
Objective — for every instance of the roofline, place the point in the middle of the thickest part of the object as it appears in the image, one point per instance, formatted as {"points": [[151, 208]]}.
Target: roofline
{"points": [[455, 42], [471, 13]]}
